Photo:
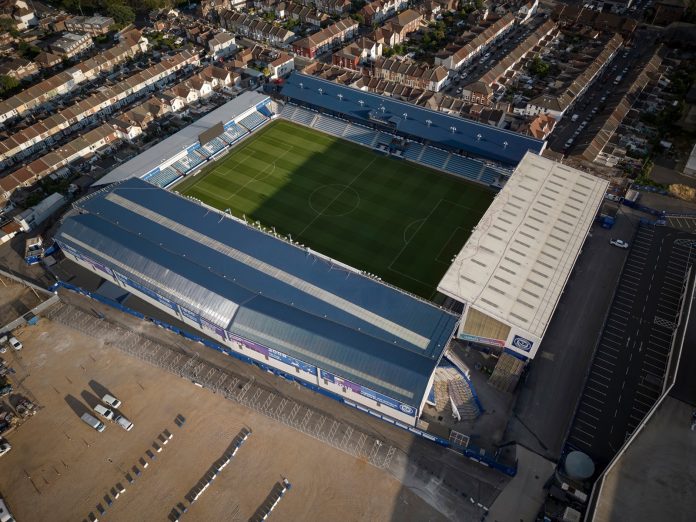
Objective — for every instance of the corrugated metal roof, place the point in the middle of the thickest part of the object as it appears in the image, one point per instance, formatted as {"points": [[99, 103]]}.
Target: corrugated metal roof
{"points": [[517, 260], [494, 143], [264, 289]]}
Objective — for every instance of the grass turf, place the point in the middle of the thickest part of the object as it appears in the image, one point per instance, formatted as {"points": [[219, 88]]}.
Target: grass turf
{"points": [[389, 217]]}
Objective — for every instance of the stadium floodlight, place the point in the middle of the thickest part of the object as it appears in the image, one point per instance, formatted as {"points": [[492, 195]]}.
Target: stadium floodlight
{"points": [[320, 91], [405, 116], [505, 144], [453, 129], [301, 85], [361, 102], [383, 108], [340, 97], [428, 122], [478, 137]]}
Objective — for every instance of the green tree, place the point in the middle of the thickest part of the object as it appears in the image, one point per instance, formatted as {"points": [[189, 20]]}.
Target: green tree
{"points": [[358, 17], [122, 14], [28, 51], [539, 67], [8, 83]]}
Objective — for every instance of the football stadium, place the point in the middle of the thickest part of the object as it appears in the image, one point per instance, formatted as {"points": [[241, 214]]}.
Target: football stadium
{"points": [[309, 234]]}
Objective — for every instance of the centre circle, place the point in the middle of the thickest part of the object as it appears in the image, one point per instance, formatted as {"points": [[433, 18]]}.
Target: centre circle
{"points": [[334, 200]]}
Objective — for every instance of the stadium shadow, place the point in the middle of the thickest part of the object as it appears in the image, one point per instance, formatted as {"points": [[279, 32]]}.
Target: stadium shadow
{"points": [[331, 200]]}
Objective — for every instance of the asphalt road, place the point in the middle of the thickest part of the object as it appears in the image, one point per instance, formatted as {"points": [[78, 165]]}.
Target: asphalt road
{"points": [[554, 382], [631, 359], [498, 51], [603, 95]]}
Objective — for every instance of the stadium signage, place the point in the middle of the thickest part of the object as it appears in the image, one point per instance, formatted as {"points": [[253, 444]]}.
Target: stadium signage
{"points": [[366, 392], [279, 356], [481, 340], [522, 344]]}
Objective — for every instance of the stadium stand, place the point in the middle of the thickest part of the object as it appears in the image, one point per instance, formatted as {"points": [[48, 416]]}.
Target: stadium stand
{"points": [[253, 120], [183, 151], [330, 125], [433, 157], [453, 395], [414, 151], [445, 131], [490, 175], [465, 167], [262, 298], [164, 177], [298, 115], [527, 241], [233, 133]]}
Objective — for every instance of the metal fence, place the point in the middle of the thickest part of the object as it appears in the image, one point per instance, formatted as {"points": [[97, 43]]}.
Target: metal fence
{"points": [[243, 390]]}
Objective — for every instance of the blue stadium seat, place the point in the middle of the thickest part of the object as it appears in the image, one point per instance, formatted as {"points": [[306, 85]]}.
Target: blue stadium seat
{"points": [[254, 120], [330, 125], [360, 135], [490, 175], [233, 133], [188, 163], [413, 151], [465, 167], [302, 116], [434, 157], [384, 139], [164, 177]]}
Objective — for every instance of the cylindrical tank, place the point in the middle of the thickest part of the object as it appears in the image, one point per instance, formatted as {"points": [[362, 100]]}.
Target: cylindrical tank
{"points": [[579, 466]]}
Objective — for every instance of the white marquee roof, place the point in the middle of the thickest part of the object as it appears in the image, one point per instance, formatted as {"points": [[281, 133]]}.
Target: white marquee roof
{"points": [[518, 258]]}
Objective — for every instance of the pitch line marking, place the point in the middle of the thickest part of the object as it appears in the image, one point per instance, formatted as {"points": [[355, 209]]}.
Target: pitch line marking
{"points": [[437, 257], [409, 226], [336, 197], [263, 175], [311, 206], [423, 221]]}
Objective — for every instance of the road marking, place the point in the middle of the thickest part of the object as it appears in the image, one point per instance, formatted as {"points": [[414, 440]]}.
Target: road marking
{"points": [[584, 432]]}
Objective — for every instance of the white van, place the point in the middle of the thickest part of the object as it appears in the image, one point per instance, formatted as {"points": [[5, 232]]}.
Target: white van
{"points": [[124, 423], [92, 422], [111, 401], [104, 411]]}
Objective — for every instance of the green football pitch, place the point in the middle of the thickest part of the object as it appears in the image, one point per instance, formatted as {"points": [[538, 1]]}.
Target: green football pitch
{"points": [[389, 217]]}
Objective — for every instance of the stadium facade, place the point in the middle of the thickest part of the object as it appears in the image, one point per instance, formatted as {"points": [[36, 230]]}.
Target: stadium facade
{"points": [[512, 270], [262, 298]]}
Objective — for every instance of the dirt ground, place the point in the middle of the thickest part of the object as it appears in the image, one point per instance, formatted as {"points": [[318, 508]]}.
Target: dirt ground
{"points": [[15, 300], [60, 469]]}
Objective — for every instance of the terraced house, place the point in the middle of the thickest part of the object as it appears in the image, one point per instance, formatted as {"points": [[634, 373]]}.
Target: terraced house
{"points": [[131, 43], [45, 132], [410, 73], [455, 56], [322, 41], [256, 28]]}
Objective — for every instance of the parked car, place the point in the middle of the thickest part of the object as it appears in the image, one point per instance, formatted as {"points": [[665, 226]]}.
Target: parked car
{"points": [[618, 243], [124, 423], [104, 412], [93, 422], [111, 401], [14, 343]]}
